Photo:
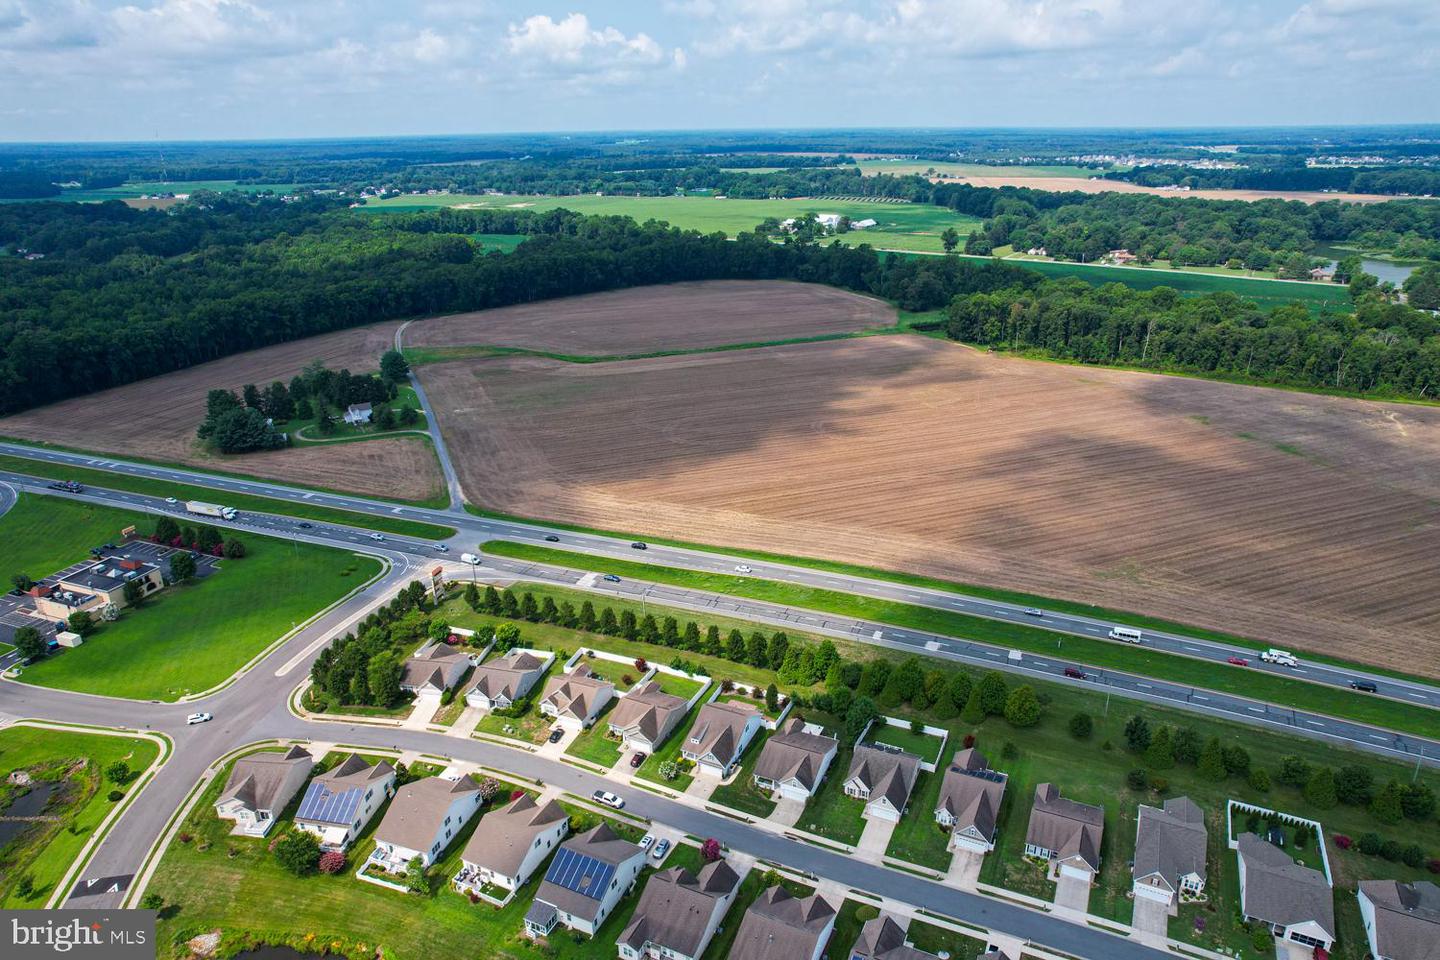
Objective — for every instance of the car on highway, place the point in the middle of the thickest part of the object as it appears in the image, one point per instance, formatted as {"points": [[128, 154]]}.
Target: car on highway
{"points": [[637, 758], [377, 536], [305, 526], [1364, 686], [552, 539], [646, 841], [607, 798], [1034, 612], [661, 848], [638, 545], [557, 734], [195, 718], [1075, 673], [442, 548], [610, 578], [1238, 661], [744, 568], [171, 500]]}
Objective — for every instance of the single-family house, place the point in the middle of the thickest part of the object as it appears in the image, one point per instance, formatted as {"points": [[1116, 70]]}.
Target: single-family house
{"points": [[969, 803], [645, 717], [1121, 256], [422, 820], [576, 699], [432, 670], [259, 787], [865, 224], [1402, 920], [883, 939], [1322, 273], [500, 682], [1295, 902], [679, 912], [828, 220], [358, 413], [1066, 833], [883, 777], [340, 802], [587, 878], [794, 760], [1169, 852], [721, 732], [778, 925], [509, 844]]}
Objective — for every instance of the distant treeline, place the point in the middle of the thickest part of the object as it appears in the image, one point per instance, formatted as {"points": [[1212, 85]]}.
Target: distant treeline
{"points": [[1383, 348], [1411, 181], [124, 294]]}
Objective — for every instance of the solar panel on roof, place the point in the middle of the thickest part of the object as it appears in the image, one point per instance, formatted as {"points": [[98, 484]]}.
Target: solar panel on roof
{"points": [[581, 873], [991, 775], [323, 805]]}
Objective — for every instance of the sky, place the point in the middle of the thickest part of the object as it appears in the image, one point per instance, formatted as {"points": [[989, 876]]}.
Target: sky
{"points": [[235, 69]]}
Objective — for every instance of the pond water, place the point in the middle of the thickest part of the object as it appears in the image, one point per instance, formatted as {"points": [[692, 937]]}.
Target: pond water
{"points": [[30, 805], [1396, 271], [274, 953]]}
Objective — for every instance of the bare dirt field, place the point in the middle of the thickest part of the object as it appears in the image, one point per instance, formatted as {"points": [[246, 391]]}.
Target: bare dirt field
{"points": [[677, 316], [156, 419], [1086, 185], [1307, 521]]}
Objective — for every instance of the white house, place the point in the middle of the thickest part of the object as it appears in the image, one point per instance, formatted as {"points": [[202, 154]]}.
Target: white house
{"points": [[883, 777], [1295, 902], [794, 760], [509, 844], [432, 670], [339, 803], [588, 877], [970, 796], [422, 820], [1169, 853], [358, 413], [576, 699], [865, 224], [1402, 920], [259, 787], [501, 682], [721, 732], [1066, 833], [679, 912]]}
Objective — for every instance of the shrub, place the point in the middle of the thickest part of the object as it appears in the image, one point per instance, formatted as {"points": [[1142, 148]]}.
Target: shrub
{"points": [[1137, 779], [1387, 807], [152, 901], [642, 665], [1342, 841], [1159, 784], [1009, 751], [1390, 850], [1433, 865], [118, 772], [185, 837], [710, 850], [1260, 780], [415, 879], [1022, 709], [1262, 940], [25, 887], [968, 741], [298, 852], [332, 861], [1320, 789], [516, 795], [1137, 734], [669, 770], [626, 680], [115, 795], [1413, 855], [1081, 726]]}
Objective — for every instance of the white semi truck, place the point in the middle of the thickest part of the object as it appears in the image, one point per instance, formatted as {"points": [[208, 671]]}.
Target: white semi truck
{"points": [[203, 509]]}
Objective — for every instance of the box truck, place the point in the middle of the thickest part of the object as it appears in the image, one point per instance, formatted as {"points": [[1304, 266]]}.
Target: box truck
{"points": [[203, 509]]}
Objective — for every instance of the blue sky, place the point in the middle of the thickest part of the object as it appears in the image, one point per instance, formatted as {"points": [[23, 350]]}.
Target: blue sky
{"points": [[202, 69]]}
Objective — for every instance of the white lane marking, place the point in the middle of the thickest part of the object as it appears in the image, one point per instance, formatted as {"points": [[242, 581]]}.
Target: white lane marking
{"points": [[1143, 686], [1417, 696], [876, 635], [1376, 736], [1315, 723], [1198, 697], [1257, 709]]}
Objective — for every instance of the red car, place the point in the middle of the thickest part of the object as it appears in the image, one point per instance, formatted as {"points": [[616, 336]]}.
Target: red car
{"points": [[1238, 661], [636, 759], [1075, 673]]}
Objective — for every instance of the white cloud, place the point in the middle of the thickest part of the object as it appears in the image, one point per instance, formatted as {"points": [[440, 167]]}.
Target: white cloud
{"points": [[574, 42]]}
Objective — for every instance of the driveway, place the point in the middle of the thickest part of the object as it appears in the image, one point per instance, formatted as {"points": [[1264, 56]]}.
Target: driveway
{"points": [[1151, 920], [787, 812], [964, 869], [1072, 894], [874, 840]]}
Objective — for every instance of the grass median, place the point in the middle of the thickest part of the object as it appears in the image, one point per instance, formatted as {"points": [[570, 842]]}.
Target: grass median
{"points": [[1106, 654]]}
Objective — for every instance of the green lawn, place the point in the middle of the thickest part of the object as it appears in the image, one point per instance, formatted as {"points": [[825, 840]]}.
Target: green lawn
{"points": [[933, 939], [745, 698], [830, 813], [45, 850], [497, 242], [595, 744], [185, 638], [1095, 652], [682, 687], [923, 745], [670, 750], [532, 727], [741, 793], [917, 837], [127, 191], [240, 501]]}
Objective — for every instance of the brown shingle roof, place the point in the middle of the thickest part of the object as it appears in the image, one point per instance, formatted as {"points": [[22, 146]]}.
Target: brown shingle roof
{"points": [[354, 772], [1407, 918], [575, 692], [886, 771], [882, 939], [971, 792], [1170, 841], [1067, 828], [676, 907], [717, 730], [428, 665], [501, 678], [791, 752], [778, 925], [601, 843], [650, 709], [256, 780], [418, 811], [504, 837], [1279, 890]]}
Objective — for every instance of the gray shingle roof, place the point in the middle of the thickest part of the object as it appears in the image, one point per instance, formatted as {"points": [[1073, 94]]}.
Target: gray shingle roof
{"points": [[791, 752], [883, 939], [780, 927], [971, 792], [256, 780], [428, 665], [503, 677], [650, 709], [504, 837], [1407, 918], [676, 907], [1279, 890], [717, 730], [1170, 841], [418, 811], [575, 693], [600, 843], [886, 771], [1067, 828]]}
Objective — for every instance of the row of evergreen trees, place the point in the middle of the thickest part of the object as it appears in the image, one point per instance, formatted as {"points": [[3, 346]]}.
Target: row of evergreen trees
{"points": [[363, 667]]}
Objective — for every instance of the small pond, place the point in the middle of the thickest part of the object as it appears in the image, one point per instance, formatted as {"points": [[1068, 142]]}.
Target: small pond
{"points": [[31, 804]]}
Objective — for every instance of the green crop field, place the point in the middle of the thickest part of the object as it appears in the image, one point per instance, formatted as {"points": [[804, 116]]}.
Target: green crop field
{"points": [[129, 191], [185, 638], [902, 226]]}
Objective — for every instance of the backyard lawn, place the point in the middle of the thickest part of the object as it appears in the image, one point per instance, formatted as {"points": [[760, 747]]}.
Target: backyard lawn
{"points": [[595, 744], [830, 813], [917, 837], [682, 687], [933, 939], [189, 638], [923, 745], [75, 761], [741, 793]]}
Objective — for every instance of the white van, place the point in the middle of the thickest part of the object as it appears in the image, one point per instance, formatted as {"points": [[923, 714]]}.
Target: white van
{"points": [[1282, 657], [1128, 634], [470, 558]]}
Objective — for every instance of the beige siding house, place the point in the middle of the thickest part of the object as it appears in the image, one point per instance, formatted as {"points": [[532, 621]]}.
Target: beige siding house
{"points": [[970, 796], [259, 787], [679, 912]]}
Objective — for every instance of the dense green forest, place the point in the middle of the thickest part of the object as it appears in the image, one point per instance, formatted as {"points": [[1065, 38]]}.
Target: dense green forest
{"points": [[1383, 348], [124, 294]]}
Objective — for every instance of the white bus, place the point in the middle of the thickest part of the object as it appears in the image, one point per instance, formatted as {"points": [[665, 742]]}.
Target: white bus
{"points": [[1128, 634]]}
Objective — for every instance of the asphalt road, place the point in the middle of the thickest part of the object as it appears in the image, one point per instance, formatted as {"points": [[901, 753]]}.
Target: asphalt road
{"points": [[474, 530]]}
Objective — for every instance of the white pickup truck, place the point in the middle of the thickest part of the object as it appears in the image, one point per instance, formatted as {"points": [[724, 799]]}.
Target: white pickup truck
{"points": [[1281, 657]]}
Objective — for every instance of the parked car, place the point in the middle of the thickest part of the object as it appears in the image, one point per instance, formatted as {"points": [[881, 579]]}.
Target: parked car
{"points": [[1365, 686], [195, 718], [552, 539], [743, 568], [607, 798], [377, 536], [1238, 661], [637, 758], [1034, 612], [610, 578], [646, 840], [661, 848], [637, 545], [557, 734], [1075, 673]]}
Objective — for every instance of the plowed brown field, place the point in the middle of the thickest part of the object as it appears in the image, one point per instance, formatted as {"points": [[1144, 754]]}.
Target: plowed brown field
{"points": [[1086, 185], [1304, 520], [678, 316], [156, 419]]}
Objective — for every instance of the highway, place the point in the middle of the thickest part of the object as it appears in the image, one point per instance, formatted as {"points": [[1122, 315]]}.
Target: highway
{"points": [[412, 557]]}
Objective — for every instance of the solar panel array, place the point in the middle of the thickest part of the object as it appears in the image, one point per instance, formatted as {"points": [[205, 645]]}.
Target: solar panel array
{"points": [[992, 775], [581, 873], [323, 805]]}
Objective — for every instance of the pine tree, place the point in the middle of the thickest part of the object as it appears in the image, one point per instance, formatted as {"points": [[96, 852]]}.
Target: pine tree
{"points": [[692, 636], [586, 621], [1137, 734], [735, 647], [1212, 760], [974, 712], [713, 646], [1389, 804], [549, 612], [993, 693], [1320, 789], [1160, 755], [628, 626], [1022, 707], [609, 626], [472, 596], [529, 608], [492, 600]]}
